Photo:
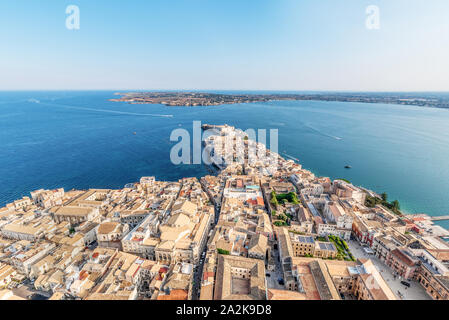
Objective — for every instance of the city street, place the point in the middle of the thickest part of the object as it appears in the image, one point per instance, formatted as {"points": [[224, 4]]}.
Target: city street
{"points": [[197, 275], [198, 271], [272, 280], [27, 290], [415, 292]]}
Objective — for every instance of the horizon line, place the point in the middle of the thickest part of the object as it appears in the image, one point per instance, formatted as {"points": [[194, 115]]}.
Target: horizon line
{"points": [[241, 90]]}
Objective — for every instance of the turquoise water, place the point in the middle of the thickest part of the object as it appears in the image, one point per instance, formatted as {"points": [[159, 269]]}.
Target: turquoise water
{"points": [[81, 140]]}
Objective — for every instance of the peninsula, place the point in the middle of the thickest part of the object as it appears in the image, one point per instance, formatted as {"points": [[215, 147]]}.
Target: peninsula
{"points": [[191, 99], [263, 228]]}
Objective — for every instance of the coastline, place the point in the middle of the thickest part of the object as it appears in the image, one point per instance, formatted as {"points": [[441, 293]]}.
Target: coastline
{"points": [[317, 166], [180, 223], [218, 171], [198, 99]]}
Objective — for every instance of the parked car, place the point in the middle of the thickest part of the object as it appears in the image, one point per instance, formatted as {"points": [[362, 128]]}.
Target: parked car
{"points": [[405, 283], [268, 275], [281, 282], [36, 296]]}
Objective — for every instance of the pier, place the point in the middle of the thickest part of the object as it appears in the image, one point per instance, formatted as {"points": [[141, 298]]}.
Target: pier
{"points": [[440, 218]]}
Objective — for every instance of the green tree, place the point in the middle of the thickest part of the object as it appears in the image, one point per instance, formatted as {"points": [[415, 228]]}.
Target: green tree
{"points": [[282, 217], [396, 205], [279, 223], [274, 200], [384, 197], [222, 251]]}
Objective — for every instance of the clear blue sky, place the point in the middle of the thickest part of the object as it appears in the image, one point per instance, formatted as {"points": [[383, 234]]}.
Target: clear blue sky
{"points": [[225, 44]]}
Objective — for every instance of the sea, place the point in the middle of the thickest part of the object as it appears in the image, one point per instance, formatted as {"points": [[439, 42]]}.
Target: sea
{"points": [[81, 140]]}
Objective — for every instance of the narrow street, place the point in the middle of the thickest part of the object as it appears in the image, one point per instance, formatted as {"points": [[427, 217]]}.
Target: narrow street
{"points": [[198, 272], [274, 276], [198, 269]]}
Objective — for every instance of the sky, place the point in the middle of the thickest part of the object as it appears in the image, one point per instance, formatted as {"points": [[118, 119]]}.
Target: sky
{"points": [[292, 45]]}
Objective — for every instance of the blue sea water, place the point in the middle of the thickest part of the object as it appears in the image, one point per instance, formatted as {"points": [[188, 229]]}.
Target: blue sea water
{"points": [[82, 140]]}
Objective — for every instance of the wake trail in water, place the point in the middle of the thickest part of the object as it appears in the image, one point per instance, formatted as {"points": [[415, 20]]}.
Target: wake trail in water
{"points": [[15, 101], [104, 110], [290, 157], [322, 133]]}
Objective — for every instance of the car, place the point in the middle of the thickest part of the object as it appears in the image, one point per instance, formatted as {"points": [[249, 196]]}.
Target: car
{"points": [[268, 275], [12, 285], [281, 282], [405, 283], [36, 296]]}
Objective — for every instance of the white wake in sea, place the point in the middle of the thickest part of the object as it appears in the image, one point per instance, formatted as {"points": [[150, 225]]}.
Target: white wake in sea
{"points": [[110, 111], [290, 157], [322, 133], [18, 101]]}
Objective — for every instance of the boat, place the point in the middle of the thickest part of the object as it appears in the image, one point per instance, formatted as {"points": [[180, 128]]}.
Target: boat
{"points": [[348, 167], [134, 133]]}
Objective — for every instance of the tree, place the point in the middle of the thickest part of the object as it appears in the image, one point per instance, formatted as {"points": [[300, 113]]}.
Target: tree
{"points": [[274, 202], [293, 198], [222, 251], [280, 223], [282, 217], [396, 205], [384, 197]]}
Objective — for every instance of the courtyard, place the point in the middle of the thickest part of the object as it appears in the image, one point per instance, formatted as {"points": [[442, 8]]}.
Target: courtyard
{"points": [[240, 286], [415, 292]]}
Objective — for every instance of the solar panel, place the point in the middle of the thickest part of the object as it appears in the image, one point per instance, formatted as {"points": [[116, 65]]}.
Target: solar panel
{"points": [[353, 270], [305, 239]]}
